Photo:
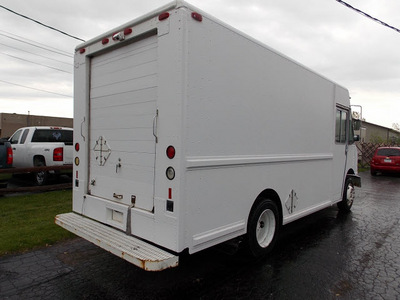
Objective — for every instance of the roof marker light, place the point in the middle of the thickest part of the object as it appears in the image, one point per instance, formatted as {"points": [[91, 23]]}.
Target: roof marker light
{"points": [[163, 16], [127, 31], [197, 16], [105, 41], [82, 50]]}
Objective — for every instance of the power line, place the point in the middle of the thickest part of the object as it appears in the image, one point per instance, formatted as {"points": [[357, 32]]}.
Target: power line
{"points": [[44, 45], [31, 88], [43, 56], [368, 16], [32, 62], [31, 44], [40, 23]]}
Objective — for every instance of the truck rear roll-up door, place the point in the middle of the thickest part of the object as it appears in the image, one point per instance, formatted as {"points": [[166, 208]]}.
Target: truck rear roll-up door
{"points": [[123, 106]]}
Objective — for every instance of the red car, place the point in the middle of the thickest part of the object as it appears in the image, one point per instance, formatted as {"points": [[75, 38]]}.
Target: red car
{"points": [[386, 160]]}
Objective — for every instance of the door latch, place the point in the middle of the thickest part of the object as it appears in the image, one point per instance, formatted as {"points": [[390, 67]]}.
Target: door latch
{"points": [[118, 196], [118, 165]]}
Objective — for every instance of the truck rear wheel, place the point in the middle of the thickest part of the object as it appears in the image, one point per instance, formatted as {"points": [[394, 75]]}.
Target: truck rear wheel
{"points": [[262, 228], [40, 178]]}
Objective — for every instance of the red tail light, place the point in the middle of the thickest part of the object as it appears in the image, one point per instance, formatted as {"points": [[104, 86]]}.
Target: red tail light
{"points": [[58, 154], [9, 156], [170, 152]]}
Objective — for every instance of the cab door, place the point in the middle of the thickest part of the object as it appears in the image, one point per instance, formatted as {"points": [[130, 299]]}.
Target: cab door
{"points": [[19, 152], [340, 149]]}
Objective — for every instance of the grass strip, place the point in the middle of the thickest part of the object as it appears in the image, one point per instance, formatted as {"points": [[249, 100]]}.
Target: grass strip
{"points": [[27, 221]]}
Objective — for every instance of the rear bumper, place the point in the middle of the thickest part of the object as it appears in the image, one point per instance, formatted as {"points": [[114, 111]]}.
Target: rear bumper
{"points": [[133, 250], [383, 168]]}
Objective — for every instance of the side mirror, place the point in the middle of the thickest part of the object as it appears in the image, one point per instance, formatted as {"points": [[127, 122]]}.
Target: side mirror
{"points": [[356, 124], [357, 138]]}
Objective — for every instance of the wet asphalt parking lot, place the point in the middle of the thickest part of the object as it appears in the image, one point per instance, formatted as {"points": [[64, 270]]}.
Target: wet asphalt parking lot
{"points": [[328, 255]]}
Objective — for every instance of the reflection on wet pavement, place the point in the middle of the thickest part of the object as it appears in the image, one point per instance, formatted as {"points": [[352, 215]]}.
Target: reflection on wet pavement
{"points": [[328, 255]]}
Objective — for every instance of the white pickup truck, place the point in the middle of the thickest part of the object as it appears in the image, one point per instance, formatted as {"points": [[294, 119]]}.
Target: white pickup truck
{"points": [[42, 146]]}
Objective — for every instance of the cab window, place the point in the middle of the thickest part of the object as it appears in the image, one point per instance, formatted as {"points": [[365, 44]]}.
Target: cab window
{"points": [[341, 126], [24, 135], [14, 139]]}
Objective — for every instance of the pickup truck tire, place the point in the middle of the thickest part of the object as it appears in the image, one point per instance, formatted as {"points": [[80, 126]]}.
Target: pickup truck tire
{"points": [[40, 178], [262, 228]]}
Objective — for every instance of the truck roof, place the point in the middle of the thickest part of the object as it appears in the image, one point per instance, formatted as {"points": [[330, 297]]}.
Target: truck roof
{"points": [[183, 4], [172, 5]]}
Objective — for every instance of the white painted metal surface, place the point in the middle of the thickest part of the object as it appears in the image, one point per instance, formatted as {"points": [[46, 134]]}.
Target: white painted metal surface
{"points": [[244, 119], [123, 93], [137, 252]]}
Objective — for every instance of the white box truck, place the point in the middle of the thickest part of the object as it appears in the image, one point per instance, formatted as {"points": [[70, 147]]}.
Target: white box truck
{"points": [[189, 133]]}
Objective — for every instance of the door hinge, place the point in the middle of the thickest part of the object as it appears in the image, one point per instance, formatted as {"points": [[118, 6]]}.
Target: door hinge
{"points": [[291, 202]]}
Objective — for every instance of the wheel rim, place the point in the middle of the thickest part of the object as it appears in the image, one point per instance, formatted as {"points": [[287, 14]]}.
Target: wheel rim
{"points": [[350, 194], [40, 177], [265, 228]]}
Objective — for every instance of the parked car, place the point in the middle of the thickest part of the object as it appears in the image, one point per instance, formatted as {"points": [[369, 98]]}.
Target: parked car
{"points": [[386, 160]]}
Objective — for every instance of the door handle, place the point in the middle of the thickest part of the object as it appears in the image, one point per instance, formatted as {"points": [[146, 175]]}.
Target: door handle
{"points": [[155, 124], [82, 129]]}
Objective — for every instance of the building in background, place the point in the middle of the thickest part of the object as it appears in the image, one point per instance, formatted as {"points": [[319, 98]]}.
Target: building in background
{"points": [[9, 123], [372, 133]]}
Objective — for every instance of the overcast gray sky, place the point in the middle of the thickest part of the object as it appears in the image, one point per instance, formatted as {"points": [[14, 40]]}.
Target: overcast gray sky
{"points": [[324, 35]]}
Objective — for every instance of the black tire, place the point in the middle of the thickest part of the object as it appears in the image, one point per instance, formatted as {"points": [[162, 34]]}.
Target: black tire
{"points": [[262, 228], [348, 196], [40, 178], [373, 173]]}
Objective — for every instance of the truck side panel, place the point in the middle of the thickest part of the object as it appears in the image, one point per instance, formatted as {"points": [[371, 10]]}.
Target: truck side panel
{"points": [[255, 121]]}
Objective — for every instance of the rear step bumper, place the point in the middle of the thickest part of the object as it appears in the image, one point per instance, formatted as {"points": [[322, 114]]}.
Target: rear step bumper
{"points": [[137, 252]]}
